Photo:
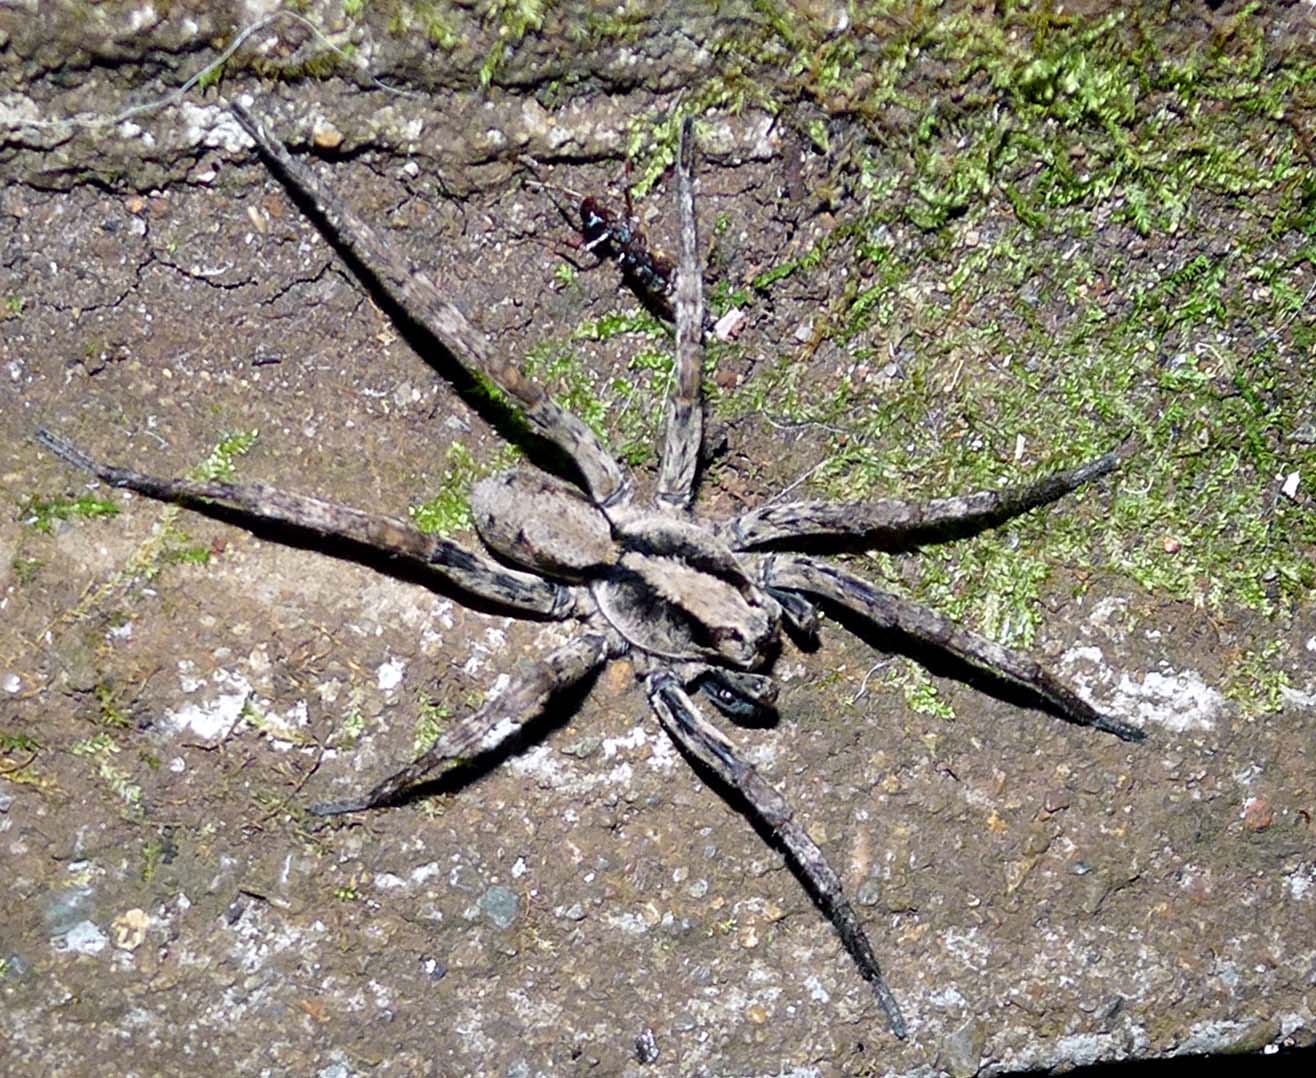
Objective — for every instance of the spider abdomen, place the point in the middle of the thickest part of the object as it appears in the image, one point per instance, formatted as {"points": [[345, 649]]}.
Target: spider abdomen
{"points": [[542, 523]]}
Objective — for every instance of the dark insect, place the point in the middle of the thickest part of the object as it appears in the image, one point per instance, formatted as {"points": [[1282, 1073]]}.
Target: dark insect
{"points": [[648, 273], [697, 606]]}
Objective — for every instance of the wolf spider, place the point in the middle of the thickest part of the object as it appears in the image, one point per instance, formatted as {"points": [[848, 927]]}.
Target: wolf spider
{"points": [[698, 606]]}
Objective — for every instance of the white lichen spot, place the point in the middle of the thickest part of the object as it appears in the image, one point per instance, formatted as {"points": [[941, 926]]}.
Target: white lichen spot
{"points": [[426, 872], [1106, 609], [1297, 698], [948, 998], [1301, 883], [83, 938], [632, 740], [632, 924], [968, 947], [664, 756], [216, 716], [212, 126], [187, 679], [144, 16], [386, 881], [389, 675], [1177, 700], [817, 992], [11, 683]]}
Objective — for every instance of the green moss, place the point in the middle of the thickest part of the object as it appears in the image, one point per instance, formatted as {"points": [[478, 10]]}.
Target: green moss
{"points": [[510, 20], [921, 694], [152, 858], [624, 411], [222, 462], [43, 513], [1027, 329], [449, 510], [435, 21], [1256, 681], [431, 721], [349, 731], [11, 743], [111, 713], [26, 570]]}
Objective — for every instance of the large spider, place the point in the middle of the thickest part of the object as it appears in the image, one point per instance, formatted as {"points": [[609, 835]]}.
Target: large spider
{"points": [[697, 606]]}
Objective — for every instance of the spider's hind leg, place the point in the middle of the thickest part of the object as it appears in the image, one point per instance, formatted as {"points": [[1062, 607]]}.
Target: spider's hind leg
{"points": [[488, 727], [262, 504], [698, 737]]}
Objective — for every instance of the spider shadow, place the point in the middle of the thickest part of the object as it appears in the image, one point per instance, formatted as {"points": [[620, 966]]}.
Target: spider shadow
{"points": [[905, 541], [476, 393]]}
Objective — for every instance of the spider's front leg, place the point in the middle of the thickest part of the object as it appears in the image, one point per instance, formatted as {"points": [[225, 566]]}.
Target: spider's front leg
{"points": [[487, 728], [685, 420], [892, 612], [697, 736]]}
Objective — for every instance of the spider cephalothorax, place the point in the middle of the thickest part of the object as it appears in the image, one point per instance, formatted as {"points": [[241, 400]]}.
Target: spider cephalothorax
{"points": [[698, 607]]}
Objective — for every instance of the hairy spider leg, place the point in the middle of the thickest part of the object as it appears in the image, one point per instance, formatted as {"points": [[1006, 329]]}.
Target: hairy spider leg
{"points": [[474, 573], [893, 519], [685, 420], [487, 728], [888, 611], [421, 302], [697, 736]]}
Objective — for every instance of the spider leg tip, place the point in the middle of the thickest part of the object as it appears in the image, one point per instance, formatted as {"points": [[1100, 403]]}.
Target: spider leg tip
{"points": [[895, 1019]]}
